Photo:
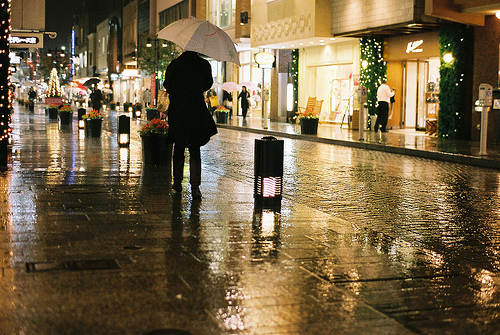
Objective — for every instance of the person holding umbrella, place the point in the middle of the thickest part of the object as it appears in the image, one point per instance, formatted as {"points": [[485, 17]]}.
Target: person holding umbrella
{"points": [[96, 97], [190, 124]]}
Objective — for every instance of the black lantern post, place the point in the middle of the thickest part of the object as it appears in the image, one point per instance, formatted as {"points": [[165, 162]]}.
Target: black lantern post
{"points": [[124, 131], [268, 169]]}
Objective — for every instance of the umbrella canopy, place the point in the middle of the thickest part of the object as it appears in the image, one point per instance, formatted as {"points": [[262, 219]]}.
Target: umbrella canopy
{"points": [[229, 86], [28, 83], [249, 85], [77, 85], [92, 81], [203, 37]]}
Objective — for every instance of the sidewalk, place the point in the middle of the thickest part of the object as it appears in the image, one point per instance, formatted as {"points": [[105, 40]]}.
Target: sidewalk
{"points": [[407, 142]]}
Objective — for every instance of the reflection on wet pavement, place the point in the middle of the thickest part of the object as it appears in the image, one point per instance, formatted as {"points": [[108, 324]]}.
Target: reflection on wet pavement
{"points": [[365, 243]]}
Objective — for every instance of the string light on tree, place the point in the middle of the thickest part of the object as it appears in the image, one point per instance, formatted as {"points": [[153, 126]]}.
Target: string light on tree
{"points": [[54, 88], [5, 97], [373, 69]]}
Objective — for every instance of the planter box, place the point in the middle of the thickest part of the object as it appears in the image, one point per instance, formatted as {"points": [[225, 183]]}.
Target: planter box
{"points": [[156, 150], [309, 126], [65, 117], [93, 127], [112, 107], [53, 113], [221, 117], [152, 114]]}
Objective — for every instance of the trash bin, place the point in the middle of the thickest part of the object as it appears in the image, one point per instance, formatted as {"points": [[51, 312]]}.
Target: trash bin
{"points": [[268, 170]]}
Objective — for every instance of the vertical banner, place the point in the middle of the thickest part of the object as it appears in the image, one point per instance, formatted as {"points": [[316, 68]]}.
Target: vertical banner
{"points": [[153, 89]]}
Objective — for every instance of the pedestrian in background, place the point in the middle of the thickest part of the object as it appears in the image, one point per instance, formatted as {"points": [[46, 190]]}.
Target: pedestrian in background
{"points": [[244, 96], [190, 122], [384, 95], [96, 98]]}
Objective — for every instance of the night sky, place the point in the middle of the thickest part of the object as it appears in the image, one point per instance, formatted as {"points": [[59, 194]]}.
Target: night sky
{"points": [[59, 18]]}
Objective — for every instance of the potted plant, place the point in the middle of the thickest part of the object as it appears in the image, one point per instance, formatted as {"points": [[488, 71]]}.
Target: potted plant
{"points": [[152, 113], [51, 111], [93, 123], [308, 122], [155, 148], [65, 114], [112, 105], [221, 114]]}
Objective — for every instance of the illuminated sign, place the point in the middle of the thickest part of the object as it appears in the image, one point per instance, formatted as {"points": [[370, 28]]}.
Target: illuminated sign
{"points": [[264, 58], [23, 40], [413, 47], [26, 40]]}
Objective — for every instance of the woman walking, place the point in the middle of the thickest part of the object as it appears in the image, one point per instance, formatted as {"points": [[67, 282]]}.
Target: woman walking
{"points": [[190, 123], [244, 95]]}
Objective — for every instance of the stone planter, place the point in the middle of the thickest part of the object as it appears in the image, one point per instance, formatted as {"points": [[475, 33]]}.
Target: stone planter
{"points": [[309, 126], [93, 127], [65, 117], [221, 117], [112, 106], [156, 150]]}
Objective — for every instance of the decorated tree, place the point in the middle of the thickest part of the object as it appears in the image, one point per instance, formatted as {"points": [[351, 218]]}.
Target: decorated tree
{"points": [[5, 98], [373, 70], [454, 41], [54, 89]]}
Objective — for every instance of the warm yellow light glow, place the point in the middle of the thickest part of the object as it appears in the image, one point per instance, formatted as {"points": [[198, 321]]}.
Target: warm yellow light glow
{"points": [[448, 57], [124, 138], [497, 15], [364, 64], [81, 124]]}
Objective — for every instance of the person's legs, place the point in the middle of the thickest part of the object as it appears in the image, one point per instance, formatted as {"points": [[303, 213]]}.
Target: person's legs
{"points": [[379, 112], [178, 166], [244, 112], [195, 170], [384, 115]]}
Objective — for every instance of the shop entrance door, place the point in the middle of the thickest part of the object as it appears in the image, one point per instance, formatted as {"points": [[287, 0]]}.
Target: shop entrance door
{"points": [[416, 75]]}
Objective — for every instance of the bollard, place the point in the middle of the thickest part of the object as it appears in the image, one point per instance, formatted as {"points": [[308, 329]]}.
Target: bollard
{"points": [[81, 122], [124, 131], [268, 172]]}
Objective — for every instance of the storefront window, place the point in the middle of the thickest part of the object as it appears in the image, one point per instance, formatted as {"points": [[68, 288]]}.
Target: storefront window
{"points": [[222, 12], [334, 85]]}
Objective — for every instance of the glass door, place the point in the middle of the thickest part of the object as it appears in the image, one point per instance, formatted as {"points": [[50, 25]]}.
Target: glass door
{"points": [[416, 74]]}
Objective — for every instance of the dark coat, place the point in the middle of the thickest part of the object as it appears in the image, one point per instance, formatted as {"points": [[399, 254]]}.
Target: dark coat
{"points": [[186, 78], [96, 98], [244, 95]]}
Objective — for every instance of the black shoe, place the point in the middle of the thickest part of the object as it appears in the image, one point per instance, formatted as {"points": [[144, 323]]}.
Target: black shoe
{"points": [[384, 130]]}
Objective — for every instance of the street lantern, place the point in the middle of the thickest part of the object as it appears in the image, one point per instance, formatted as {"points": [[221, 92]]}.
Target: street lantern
{"points": [[81, 121], [123, 131], [268, 172]]}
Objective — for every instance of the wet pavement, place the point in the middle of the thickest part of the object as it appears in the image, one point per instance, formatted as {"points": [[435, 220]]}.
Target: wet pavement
{"points": [[366, 241]]}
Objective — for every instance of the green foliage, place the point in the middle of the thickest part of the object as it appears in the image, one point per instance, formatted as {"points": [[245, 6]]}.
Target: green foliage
{"points": [[373, 70], [452, 39], [162, 51]]}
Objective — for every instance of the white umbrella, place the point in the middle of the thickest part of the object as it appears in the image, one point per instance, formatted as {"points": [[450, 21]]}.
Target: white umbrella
{"points": [[203, 37], [229, 86], [249, 85], [29, 84]]}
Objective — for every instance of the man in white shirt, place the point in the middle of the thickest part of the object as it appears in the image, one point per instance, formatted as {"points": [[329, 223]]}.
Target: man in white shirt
{"points": [[384, 95]]}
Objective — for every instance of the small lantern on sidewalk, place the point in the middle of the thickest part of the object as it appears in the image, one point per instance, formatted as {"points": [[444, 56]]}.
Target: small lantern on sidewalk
{"points": [[124, 131], [81, 121], [268, 169]]}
